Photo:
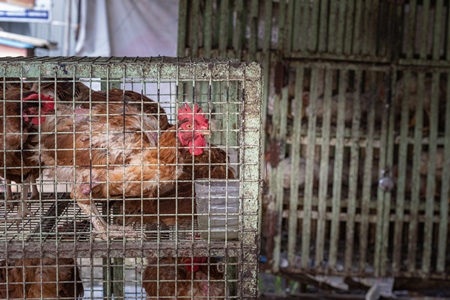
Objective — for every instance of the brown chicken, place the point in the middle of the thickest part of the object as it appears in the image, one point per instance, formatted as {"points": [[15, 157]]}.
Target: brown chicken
{"points": [[171, 278], [173, 203], [45, 278], [17, 133], [114, 151], [81, 95], [64, 91], [138, 100]]}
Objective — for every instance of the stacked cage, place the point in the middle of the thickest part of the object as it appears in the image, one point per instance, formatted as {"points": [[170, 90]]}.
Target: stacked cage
{"points": [[129, 178]]}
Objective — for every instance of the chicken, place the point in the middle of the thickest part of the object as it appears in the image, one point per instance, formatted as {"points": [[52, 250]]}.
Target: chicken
{"points": [[80, 95], [64, 91], [45, 278], [114, 151], [183, 277], [17, 133], [141, 102], [174, 203]]}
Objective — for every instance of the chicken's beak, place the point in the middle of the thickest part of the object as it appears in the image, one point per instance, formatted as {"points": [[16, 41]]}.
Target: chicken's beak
{"points": [[205, 132]]}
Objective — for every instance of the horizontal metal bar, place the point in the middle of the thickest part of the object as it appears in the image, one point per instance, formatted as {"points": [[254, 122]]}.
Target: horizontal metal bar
{"points": [[120, 249], [161, 68], [358, 217]]}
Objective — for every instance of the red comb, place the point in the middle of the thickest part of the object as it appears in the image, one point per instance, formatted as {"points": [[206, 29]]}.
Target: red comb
{"points": [[37, 97], [188, 113], [193, 266], [48, 102]]}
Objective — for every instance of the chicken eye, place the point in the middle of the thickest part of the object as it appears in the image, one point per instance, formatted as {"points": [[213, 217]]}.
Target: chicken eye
{"points": [[189, 126]]}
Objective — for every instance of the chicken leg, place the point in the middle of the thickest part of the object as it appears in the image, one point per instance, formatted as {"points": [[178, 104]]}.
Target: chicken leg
{"points": [[102, 228], [22, 210], [8, 194]]}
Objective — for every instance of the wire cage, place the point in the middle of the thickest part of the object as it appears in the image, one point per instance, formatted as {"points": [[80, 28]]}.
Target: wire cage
{"points": [[131, 178]]}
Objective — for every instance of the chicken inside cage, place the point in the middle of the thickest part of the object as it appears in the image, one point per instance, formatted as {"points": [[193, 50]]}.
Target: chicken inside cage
{"points": [[112, 167]]}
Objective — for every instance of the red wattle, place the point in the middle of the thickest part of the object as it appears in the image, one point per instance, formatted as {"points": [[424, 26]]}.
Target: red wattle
{"points": [[198, 146], [38, 120], [193, 266]]}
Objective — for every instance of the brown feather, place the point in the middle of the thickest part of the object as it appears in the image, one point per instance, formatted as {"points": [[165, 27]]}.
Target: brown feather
{"points": [[45, 278], [17, 138], [114, 149], [138, 100], [168, 277], [174, 204]]}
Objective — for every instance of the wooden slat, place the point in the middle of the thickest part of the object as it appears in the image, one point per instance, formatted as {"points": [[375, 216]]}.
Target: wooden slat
{"points": [[402, 172], [223, 27], [253, 41], [443, 247], [182, 28], [367, 26], [431, 174], [447, 52], [280, 135], [372, 36], [332, 32], [438, 12], [282, 26], [239, 36], [272, 206], [341, 17], [323, 29], [411, 29], [425, 31], [381, 195], [387, 197], [313, 26], [373, 219], [208, 28], [306, 225], [324, 171], [349, 27], [299, 38], [415, 190], [385, 29], [367, 186], [301, 29], [338, 164], [289, 27], [268, 10], [353, 175], [195, 17], [358, 27], [295, 156]]}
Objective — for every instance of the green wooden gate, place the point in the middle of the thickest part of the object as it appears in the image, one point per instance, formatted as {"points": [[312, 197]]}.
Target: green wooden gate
{"points": [[357, 173]]}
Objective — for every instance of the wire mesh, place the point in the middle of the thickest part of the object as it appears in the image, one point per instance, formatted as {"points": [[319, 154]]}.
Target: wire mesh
{"points": [[118, 176]]}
